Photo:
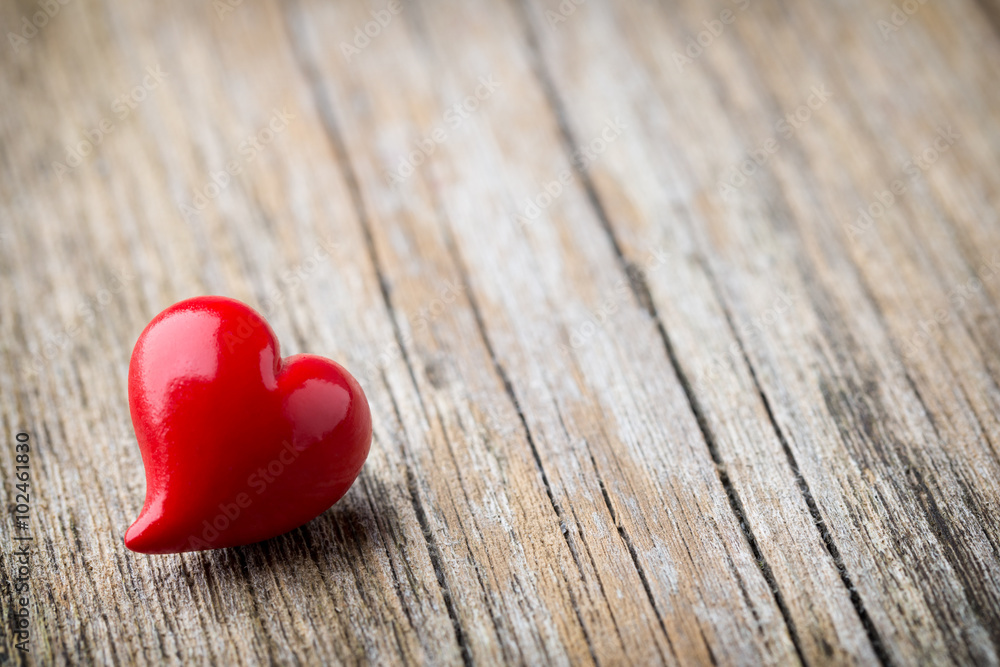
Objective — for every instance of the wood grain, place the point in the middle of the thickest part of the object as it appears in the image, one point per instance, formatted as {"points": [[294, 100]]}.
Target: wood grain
{"points": [[647, 386]]}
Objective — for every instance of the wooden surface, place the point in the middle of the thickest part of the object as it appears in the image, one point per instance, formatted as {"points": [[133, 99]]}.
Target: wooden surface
{"points": [[671, 413]]}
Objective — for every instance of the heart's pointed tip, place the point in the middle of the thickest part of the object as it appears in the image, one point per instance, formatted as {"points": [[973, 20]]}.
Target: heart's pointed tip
{"points": [[144, 537], [138, 538]]}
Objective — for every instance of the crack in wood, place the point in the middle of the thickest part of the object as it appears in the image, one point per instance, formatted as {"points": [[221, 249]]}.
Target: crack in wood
{"points": [[641, 292]]}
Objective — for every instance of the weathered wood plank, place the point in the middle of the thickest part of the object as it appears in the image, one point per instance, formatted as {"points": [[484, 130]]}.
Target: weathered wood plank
{"points": [[276, 601], [638, 420], [780, 229], [464, 225]]}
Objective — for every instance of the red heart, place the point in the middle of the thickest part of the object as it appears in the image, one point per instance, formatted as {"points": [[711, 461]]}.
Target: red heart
{"points": [[239, 445]]}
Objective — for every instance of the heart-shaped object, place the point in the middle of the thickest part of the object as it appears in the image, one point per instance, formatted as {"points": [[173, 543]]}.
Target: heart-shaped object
{"points": [[239, 445]]}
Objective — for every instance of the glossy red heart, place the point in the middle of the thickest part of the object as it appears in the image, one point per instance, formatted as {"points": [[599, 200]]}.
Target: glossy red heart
{"points": [[238, 444]]}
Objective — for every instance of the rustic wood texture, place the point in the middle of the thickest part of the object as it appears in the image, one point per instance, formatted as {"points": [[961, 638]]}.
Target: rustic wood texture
{"points": [[646, 386]]}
